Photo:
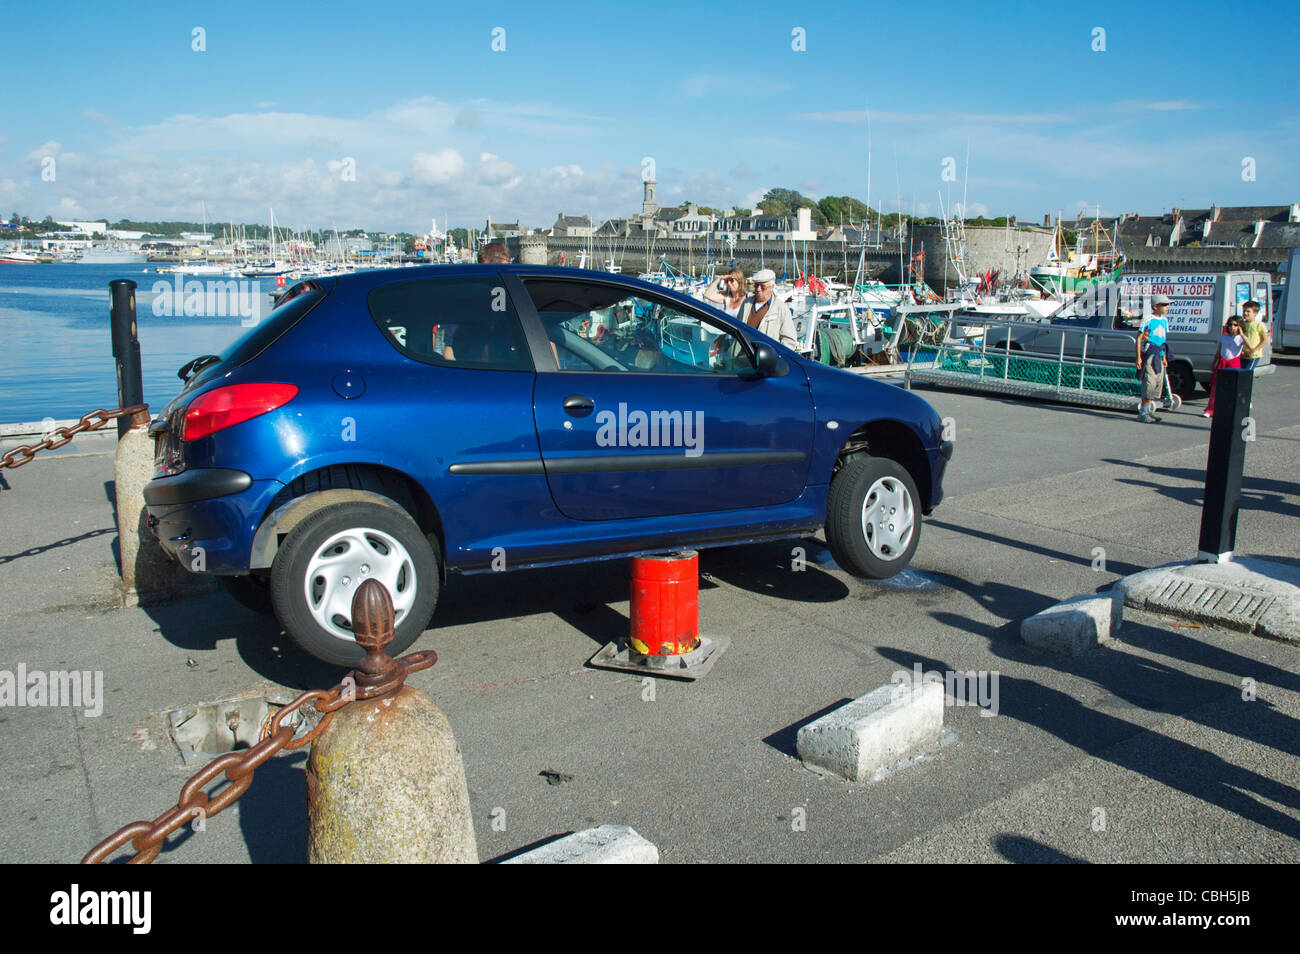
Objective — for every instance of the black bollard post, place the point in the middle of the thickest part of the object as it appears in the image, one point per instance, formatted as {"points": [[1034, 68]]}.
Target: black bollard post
{"points": [[1224, 467], [126, 348]]}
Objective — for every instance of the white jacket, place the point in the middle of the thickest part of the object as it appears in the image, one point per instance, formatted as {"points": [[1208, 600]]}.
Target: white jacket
{"points": [[776, 323]]}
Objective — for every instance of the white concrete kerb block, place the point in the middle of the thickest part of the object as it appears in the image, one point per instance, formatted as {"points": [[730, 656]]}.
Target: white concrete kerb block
{"points": [[874, 730], [1076, 625], [606, 845]]}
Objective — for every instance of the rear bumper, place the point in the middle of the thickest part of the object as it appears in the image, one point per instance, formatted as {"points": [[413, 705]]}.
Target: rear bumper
{"points": [[207, 524], [202, 483]]}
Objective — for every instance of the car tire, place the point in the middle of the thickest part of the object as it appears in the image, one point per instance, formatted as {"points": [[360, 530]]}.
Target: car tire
{"points": [[251, 592], [324, 559], [1181, 380], [869, 496]]}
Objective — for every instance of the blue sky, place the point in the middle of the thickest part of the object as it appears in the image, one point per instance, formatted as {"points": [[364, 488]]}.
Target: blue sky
{"points": [[438, 123]]}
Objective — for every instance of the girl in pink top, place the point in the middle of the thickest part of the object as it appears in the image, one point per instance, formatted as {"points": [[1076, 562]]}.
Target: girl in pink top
{"points": [[1229, 356]]}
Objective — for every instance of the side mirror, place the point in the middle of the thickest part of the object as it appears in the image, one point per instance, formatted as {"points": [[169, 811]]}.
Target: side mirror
{"points": [[769, 364]]}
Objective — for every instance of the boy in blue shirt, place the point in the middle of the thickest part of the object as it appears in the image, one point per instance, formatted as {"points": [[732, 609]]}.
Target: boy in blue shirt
{"points": [[1151, 358]]}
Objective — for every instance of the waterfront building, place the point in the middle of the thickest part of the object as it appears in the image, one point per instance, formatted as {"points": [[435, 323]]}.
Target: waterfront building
{"points": [[503, 229], [572, 226]]}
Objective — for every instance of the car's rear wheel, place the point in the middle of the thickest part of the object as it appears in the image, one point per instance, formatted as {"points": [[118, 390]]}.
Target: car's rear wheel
{"points": [[330, 554], [873, 518]]}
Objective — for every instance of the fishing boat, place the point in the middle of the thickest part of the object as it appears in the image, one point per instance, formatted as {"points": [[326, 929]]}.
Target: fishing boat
{"points": [[18, 257], [1093, 262]]}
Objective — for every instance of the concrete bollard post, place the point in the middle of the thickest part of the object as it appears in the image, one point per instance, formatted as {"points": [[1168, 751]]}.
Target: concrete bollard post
{"points": [[385, 782], [146, 569]]}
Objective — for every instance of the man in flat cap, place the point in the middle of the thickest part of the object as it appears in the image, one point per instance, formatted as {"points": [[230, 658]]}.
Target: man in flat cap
{"points": [[1152, 358], [767, 313]]}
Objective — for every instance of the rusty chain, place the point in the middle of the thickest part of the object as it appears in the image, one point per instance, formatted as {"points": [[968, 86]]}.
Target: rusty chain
{"points": [[93, 421], [147, 838]]}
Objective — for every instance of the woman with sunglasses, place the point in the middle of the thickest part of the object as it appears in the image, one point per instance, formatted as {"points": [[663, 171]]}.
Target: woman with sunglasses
{"points": [[1229, 356], [727, 291]]}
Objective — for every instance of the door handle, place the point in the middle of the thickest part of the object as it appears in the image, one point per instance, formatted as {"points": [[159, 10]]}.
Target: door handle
{"points": [[578, 405]]}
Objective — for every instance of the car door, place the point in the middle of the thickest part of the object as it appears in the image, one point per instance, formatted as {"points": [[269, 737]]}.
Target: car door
{"points": [[653, 407], [462, 404]]}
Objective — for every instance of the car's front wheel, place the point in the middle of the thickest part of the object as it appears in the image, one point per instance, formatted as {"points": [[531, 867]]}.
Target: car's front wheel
{"points": [[330, 554], [873, 518]]}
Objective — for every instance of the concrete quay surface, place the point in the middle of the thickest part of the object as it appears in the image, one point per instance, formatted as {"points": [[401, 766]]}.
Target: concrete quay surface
{"points": [[1175, 742]]}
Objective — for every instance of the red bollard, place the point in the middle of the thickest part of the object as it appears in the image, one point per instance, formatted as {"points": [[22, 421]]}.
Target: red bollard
{"points": [[665, 639], [666, 604]]}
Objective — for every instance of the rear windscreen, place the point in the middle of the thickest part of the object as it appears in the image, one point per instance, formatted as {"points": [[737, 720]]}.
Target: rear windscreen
{"points": [[290, 309]]}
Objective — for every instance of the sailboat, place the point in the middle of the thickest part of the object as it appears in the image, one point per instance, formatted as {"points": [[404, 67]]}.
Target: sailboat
{"points": [[272, 268], [203, 267]]}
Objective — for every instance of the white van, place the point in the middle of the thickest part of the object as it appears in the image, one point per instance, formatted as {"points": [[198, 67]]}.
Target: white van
{"points": [[1200, 304], [1286, 330]]}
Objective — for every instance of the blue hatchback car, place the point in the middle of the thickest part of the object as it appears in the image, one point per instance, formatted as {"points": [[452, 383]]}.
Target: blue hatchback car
{"points": [[408, 424]]}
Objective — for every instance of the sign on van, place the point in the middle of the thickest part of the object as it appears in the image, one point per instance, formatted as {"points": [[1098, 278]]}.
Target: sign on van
{"points": [[1190, 316], [1191, 310], [1175, 286]]}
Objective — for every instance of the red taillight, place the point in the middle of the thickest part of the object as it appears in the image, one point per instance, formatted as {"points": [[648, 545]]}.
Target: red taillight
{"points": [[231, 405]]}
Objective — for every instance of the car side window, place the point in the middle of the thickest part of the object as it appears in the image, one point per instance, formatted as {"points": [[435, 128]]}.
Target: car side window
{"points": [[464, 322], [603, 327]]}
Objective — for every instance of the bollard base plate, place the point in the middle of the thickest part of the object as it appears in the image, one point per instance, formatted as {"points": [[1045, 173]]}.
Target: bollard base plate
{"points": [[693, 665]]}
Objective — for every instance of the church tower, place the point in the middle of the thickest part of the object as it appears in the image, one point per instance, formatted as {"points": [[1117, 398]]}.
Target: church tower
{"points": [[648, 205]]}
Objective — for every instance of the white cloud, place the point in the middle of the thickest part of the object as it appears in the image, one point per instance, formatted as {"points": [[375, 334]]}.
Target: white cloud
{"points": [[750, 85], [38, 155], [885, 116], [436, 168], [1163, 105]]}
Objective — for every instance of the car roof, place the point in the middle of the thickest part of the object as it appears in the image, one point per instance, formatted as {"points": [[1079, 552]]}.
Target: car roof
{"points": [[363, 282]]}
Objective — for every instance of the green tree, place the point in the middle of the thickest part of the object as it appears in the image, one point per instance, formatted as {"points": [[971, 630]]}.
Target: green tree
{"points": [[779, 202], [787, 202], [837, 208]]}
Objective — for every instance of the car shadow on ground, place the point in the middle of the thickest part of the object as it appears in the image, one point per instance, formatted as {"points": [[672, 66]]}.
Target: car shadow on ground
{"points": [[583, 595], [784, 569], [203, 621]]}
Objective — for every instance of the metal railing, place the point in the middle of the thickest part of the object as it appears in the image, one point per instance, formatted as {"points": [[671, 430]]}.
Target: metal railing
{"points": [[982, 354]]}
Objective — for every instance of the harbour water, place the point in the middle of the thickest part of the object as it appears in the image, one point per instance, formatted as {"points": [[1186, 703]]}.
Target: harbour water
{"points": [[56, 356]]}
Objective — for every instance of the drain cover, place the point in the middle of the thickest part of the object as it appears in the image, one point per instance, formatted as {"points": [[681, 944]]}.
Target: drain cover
{"points": [[206, 731], [1232, 608]]}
